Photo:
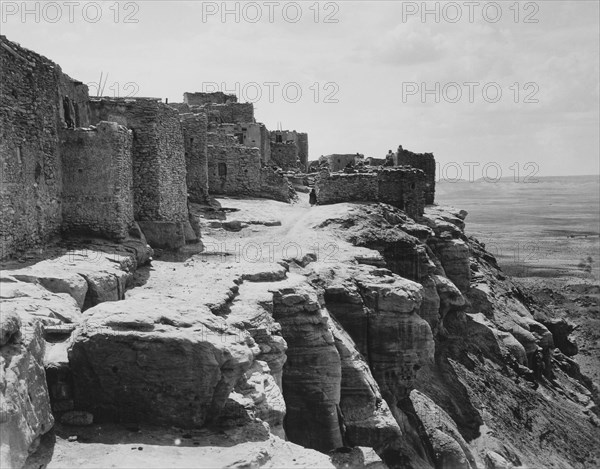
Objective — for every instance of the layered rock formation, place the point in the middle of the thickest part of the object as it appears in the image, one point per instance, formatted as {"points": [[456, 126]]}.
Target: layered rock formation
{"points": [[403, 342]]}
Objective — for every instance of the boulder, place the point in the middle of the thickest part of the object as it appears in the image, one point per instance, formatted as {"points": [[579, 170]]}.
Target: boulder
{"points": [[156, 360]]}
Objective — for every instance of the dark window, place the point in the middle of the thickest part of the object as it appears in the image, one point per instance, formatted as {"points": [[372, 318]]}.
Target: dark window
{"points": [[413, 185], [222, 169], [278, 138], [191, 141]]}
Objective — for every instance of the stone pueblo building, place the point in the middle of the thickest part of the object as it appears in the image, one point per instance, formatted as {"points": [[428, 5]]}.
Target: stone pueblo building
{"points": [[117, 168]]}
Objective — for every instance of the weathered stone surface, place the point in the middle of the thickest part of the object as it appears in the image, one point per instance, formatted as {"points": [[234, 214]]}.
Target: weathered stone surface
{"points": [[366, 416], [164, 234], [450, 448], [430, 306], [454, 255], [257, 395], [156, 361], [10, 327], [25, 413], [312, 374], [400, 341], [450, 297], [55, 280], [32, 302]]}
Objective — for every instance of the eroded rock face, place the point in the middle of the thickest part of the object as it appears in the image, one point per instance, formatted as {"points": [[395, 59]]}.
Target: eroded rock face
{"points": [[399, 340], [312, 374], [449, 447], [25, 413], [366, 416], [454, 256], [159, 362], [256, 397]]}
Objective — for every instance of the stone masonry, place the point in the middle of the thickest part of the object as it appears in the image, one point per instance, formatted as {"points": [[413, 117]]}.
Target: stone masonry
{"points": [[97, 182], [285, 155], [159, 167], [424, 161], [159, 176], [34, 93], [200, 99], [194, 127], [403, 187]]}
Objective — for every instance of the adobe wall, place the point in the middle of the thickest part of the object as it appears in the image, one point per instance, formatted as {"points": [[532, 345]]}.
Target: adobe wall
{"points": [[32, 90], [284, 155], [159, 168], [195, 138], [424, 161], [341, 187], [97, 180], [200, 99]]}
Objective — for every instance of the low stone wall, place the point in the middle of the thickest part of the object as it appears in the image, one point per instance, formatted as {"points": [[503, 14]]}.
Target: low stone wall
{"points": [[200, 99], [341, 187], [97, 180], [403, 187], [275, 185]]}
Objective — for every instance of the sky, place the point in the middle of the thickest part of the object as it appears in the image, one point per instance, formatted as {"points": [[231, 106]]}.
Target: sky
{"points": [[491, 88]]}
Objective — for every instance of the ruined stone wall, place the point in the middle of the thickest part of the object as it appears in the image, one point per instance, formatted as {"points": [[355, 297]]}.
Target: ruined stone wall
{"points": [[337, 162], [159, 174], [284, 155], [404, 188], [236, 113], [265, 144], [233, 169], [195, 139], [424, 161], [200, 99], [97, 180], [275, 185], [375, 161], [183, 108], [32, 89], [340, 187], [303, 150]]}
